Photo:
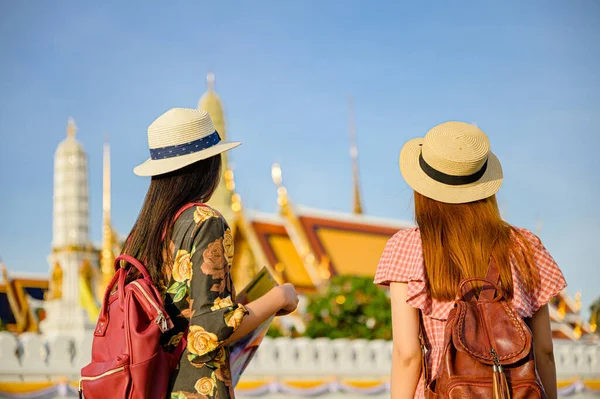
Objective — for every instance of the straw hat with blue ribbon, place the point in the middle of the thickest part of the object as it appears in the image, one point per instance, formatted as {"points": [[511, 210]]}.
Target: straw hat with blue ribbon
{"points": [[180, 137], [452, 164]]}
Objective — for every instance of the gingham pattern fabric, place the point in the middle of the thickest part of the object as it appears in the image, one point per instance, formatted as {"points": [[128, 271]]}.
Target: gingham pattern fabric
{"points": [[402, 261]]}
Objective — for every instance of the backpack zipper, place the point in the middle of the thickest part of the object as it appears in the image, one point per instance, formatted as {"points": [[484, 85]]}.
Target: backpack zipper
{"points": [[161, 320], [105, 374]]}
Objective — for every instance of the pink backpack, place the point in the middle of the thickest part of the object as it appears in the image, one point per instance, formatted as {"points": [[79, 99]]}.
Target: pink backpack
{"points": [[128, 360]]}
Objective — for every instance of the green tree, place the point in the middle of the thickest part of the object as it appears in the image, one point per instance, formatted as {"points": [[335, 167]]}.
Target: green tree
{"points": [[349, 307]]}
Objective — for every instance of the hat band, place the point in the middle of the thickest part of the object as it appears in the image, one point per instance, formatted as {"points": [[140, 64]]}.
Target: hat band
{"points": [[185, 149], [451, 180]]}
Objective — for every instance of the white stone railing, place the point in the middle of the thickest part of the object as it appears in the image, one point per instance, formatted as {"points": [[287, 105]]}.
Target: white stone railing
{"points": [[32, 357]]}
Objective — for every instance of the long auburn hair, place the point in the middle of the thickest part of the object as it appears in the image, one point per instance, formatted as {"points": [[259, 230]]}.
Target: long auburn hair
{"points": [[460, 239], [166, 195]]}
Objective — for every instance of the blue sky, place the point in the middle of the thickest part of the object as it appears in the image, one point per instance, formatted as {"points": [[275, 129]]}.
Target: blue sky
{"points": [[525, 72]]}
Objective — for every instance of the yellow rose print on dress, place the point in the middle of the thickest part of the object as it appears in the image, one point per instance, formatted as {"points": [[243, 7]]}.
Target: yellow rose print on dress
{"points": [[200, 341], [234, 318], [204, 212], [175, 339], [221, 303], [205, 386], [228, 246], [182, 266]]}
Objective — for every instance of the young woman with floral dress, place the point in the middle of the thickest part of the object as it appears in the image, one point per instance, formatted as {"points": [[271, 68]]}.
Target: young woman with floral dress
{"points": [[187, 248]]}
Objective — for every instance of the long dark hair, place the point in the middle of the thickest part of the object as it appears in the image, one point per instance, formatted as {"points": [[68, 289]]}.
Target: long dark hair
{"points": [[148, 240]]}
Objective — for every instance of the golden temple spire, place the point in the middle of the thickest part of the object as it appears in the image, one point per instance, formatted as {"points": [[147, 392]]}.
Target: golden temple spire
{"points": [[107, 257], [357, 207], [316, 268], [71, 127], [211, 103]]}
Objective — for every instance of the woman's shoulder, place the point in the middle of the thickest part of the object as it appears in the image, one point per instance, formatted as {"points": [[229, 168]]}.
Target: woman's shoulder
{"points": [[405, 237], [551, 278], [200, 214], [520, 234], [402, 258]]}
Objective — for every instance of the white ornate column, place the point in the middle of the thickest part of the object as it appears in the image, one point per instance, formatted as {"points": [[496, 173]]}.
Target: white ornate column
{"points": [[70, 243]]}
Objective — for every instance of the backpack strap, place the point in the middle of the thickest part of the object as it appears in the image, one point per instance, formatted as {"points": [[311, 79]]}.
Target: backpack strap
{"points": [[180, 211], [185, 208], [488, 291]]}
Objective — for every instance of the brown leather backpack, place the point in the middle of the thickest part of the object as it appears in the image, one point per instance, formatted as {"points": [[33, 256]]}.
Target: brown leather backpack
{"points": [[488, 348]]}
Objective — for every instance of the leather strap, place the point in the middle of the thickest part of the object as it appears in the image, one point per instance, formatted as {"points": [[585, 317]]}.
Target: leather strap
{"points": [[488, 291], [180, 211]]}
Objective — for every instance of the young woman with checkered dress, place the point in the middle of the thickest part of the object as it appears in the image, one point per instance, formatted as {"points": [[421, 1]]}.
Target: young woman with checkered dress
{"points": [[455, 178]]}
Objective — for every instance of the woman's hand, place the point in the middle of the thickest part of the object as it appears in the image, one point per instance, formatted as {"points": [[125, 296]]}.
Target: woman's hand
{"points": [[289, 299], [280, 301]]}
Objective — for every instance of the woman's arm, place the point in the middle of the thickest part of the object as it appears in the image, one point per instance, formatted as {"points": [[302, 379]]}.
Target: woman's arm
{"points": [[544, 350], [280, 298], [406, 356]]}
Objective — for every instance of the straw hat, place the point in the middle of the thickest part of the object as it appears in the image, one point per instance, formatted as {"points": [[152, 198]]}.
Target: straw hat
{"points": [[452, 163], [178, 138]]}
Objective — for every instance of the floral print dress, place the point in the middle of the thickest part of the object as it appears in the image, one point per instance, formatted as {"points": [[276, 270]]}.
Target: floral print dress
{"points": [[198, 292]]}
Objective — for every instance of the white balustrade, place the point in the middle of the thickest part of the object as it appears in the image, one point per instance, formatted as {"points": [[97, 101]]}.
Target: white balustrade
{"points": [[32, 357]]}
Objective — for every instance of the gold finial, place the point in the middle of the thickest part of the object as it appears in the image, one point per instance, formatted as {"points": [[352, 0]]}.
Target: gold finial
{"points": [[357, 208], [282, 197], [210, 81], [594, 320], [71, 127], [276, 174]]}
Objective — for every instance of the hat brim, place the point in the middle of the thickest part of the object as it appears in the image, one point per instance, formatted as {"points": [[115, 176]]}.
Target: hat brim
{"points": [[418, 180], [155, 167]]}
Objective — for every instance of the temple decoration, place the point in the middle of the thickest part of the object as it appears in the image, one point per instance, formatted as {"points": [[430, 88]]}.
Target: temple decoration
{"points": [[562, 308], [577, 331], [357, 207], [86, 292], [296, 235], [24, 318], [55, 286]]}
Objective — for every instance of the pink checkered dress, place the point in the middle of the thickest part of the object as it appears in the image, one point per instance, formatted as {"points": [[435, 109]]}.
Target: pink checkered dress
{"points": [[402, 261]]}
